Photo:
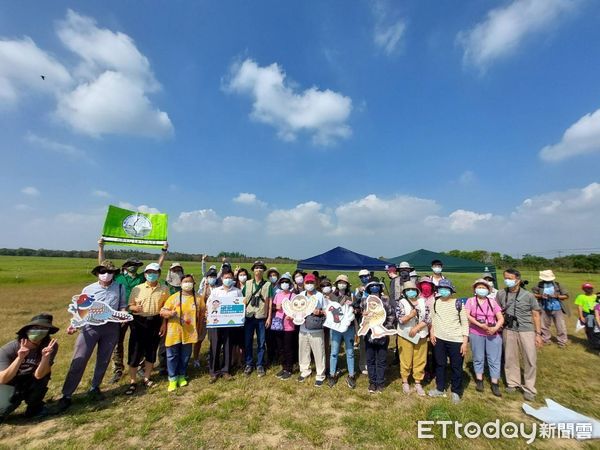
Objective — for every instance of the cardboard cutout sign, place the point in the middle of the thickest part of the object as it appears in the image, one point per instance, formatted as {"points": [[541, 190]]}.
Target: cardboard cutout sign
{"points": [[338, 317], [373, 319], [226, 312], [88, 311], [299, 307]]}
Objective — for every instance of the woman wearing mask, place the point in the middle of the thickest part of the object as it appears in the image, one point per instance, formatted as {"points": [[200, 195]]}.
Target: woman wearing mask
{"points": [[298, 281], [359, 295], [181, 312], [413, 328], [283, 327], [485, 323], [311, 338], [427, 289], [273, 356], [449, 335], [329, 295], [208, 283], [344, 298], [174, 278], [437, 267], [237, 333]]}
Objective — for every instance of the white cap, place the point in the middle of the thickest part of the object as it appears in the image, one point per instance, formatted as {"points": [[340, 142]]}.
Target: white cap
{"points": [[364, 272], [152, 266]]}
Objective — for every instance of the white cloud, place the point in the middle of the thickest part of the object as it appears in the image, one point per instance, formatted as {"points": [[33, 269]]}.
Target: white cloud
{"points": [[303, 220], [100, 194], [68, 150], [458, 221], [31, 191], [208, 221], [388, 31], [506, 27], [140, 208], [321, 113], [246, 198], [22, 63], [583, 137]]}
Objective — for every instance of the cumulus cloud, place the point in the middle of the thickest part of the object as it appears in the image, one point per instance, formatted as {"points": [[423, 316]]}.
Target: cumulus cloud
{"points": [[67, 150], [22, 64], [458, 221], [100, 193], [304, 219], [322, 114], [506, 27], [208, 221], [388, 30], [31, 191], [246, 198], [140, 208], [583, 137]]}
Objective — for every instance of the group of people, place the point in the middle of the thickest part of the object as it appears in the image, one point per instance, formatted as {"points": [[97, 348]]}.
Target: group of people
{"points": [[420, 318]]}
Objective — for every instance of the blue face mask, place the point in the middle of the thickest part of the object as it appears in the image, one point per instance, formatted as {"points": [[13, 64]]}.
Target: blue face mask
{"points": [[374, 289], [151, 277], [364, 280], [444, 292], [510, 283], [228, 282], [411, 293], [212, 281]]}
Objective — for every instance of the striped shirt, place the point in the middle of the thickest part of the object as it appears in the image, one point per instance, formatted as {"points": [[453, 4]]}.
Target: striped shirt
{"points": [[445, 321]]}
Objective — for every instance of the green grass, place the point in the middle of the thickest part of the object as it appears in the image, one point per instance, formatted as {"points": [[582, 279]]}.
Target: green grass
{"points": [[259, 413]]}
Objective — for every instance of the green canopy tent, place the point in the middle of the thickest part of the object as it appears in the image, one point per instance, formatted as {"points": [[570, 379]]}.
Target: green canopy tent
{"points": [[421, 261]]}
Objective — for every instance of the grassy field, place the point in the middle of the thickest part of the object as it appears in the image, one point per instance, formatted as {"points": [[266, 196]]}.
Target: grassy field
{"points": [[252, 412]]}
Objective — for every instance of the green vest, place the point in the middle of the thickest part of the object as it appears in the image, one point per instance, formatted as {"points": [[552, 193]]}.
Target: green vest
{"points": [[260, 311]]}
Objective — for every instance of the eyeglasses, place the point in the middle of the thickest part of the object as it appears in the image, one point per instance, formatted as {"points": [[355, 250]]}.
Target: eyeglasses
{"points": [[103, 271]]}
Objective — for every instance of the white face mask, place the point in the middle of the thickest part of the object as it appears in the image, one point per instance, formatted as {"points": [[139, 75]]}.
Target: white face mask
{"points": [[105, 277], [187, 286], [299, 280], [437, 270], [309, 287], [285, 286], [327, 290], [243, 278], [342, 286]]}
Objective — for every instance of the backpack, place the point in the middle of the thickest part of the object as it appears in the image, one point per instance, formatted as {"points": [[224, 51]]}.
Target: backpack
{"points": [[458, 304]]}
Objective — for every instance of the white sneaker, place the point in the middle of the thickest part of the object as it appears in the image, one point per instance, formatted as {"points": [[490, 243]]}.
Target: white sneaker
{"points": [[364, 372], [406, 388], [436, 393], [455, 398]]}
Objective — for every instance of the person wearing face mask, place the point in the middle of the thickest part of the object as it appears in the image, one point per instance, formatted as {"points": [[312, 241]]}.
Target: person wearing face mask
{"points": [[343, 294], [145, 303], [129, 277], [551, 296], [522, 334], [174, 277], [258, 298], [406, 273], [427, 289], [413, 327], [283, 327], [487, 276], [395, 292], [105, 337], [359, 295], [221, 345], [437, 267], [237, 333], [25, 366], [449, 335], [586, 302], [181, 313], [298, 276], [209, 282], [273, 356], [485, 322]]}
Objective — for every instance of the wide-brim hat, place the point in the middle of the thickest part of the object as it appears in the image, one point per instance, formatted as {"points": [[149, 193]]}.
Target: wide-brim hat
{"points": [[425, 280], [547, 275], [410, 285], [342, 277], [271, 270], [258, 265], [405, 265], [132, 262], [286, 276], [364, 273], [373, 283], [174, 265], [106, 264], [445, 283], [41, 320], [481, 281]]}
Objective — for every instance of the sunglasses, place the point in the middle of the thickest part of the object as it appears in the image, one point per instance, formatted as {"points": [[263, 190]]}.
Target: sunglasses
{"points": [[103, 271]]}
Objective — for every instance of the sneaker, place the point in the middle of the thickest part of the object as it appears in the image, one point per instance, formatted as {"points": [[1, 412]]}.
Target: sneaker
{"points": [[301, 379], [196, 363], [419, 389], [172, 386], [331, 382], [496, 390], [379, 389], [364, 372], [39, 413], [319, 383], [455, 398], [181, 381], [248, 371], [406, 388], [140, 372], [213, 379], [479, 385], [351, 381], [116, 377], [63, 404], [280, 373], [372, 388], [529, 396], [436, 393], [511, 390], [96, 394], [260, 370], [285, 375]]}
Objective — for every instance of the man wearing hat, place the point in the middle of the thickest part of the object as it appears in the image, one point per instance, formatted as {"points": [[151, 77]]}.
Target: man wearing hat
{"points": [[258, 298], [129, 277], [551, 295], [105, 337], [25, 366]]}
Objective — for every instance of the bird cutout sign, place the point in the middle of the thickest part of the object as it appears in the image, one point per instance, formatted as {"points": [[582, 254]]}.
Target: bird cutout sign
{"points": [[299, 307], [88, 311], [338, 317], [373, 319]]}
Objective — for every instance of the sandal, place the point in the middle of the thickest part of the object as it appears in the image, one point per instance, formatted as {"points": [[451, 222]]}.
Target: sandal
{"points": [[131, 389], [148, 383]]}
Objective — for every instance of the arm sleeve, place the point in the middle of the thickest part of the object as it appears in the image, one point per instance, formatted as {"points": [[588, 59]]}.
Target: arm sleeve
{"points": [[122, 297], [535, 306], [464, 322]]}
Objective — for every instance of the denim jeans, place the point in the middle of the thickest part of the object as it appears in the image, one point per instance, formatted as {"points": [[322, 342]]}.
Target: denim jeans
{"points": [[251, 325], [486, 348], [178, 357], [336, 341]]}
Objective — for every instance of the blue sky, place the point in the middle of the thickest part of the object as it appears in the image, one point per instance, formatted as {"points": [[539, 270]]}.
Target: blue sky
{"points": [[287, 128]]}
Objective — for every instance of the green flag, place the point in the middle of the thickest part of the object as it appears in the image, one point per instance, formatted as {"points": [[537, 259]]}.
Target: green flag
{"points": [[133, 228]]}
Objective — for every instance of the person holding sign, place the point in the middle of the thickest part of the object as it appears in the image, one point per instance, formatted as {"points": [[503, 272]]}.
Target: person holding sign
{"points": [[258, 297], [413, 328], [221, 342], [104, 336], [25, 366], [181, 312]]}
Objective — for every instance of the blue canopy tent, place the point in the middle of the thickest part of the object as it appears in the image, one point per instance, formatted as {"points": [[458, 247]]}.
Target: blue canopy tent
{"points": [[340, 258]]}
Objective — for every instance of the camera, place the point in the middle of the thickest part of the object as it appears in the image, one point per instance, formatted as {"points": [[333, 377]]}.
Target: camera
{"points": [[511, 321], [482, 321], [255, 300]]}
